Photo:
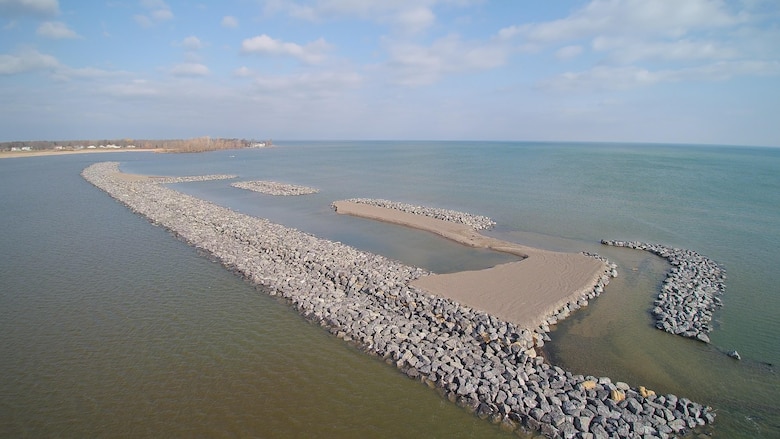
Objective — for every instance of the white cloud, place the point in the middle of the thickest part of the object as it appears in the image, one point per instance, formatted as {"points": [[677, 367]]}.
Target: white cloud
{"points": [[725, 70], [416, 19], [158, 11], [189, 69], [143, 20], [229, 21], [309, 85], [162, 14], [644, 43], [35, 8], [628, 50], [192, 43], [632, 30], [668, 18], [568, 52], [408, 16], [89, 74], [30, 60], [312, 52], [134, 88], [154, 4], [325, 9], [56, 30], [243, 72], [603, 77], [27, 61], [413, 64], [630, 77]]}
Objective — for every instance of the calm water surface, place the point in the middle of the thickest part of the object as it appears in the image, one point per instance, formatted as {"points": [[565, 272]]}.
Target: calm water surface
{"points": [[111, 327], [106, 319]]}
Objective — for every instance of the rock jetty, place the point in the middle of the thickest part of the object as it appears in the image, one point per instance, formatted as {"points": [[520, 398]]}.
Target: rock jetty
{"points": [[274, 188], [472, 358], [172, 180], [476, 222], [690, 293]]}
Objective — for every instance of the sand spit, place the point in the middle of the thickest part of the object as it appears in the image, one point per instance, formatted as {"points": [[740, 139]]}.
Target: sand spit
{"points": [[274, 188], [476, 222], [691, 290], [528, 293], [474, 359]]}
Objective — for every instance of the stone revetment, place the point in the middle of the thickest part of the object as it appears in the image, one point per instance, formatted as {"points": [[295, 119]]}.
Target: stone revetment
{"points": [[472, 358]]}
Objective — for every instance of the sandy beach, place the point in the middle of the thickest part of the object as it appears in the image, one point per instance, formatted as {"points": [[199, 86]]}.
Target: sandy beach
{"points": [[48, 152], [522, 292]]}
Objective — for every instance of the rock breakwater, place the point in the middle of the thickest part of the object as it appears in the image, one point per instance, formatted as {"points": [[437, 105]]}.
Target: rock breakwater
{"points": [[472, 358], [171, 180], [274, 188], [476, 222], [690, 293]]}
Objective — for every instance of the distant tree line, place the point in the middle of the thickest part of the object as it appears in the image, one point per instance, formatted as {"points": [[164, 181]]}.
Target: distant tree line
{"points": [[198, 144]]}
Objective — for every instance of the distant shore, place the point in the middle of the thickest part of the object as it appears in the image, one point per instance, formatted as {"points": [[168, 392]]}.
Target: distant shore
{"points": [[48, 152], [32, 148]]}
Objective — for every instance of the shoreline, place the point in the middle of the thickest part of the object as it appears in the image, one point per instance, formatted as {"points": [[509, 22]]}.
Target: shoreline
{"points": [[474, 359], [527, 292], [44, 153]]}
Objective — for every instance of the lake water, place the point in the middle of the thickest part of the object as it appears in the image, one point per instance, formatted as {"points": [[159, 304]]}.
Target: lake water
{"points": [[110, 326]]}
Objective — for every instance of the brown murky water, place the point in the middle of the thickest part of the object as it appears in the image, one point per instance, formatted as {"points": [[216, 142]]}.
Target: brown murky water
{"points": [[110, 327]]}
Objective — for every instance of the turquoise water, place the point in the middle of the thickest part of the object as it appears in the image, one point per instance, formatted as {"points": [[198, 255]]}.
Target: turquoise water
{"points": [[77, 260]]}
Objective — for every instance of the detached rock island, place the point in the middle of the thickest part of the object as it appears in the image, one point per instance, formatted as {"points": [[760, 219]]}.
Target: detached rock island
{"points": [[691, 291], [482, 361]]}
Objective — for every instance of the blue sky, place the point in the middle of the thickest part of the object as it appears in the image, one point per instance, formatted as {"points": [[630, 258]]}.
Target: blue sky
{"points": [[671, 71]]}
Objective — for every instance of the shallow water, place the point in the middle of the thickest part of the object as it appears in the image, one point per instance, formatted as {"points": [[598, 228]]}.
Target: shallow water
{"points": [[111, 327], [616, 336], [106, 319]]}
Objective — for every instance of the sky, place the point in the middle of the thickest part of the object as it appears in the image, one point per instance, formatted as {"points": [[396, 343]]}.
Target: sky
{"points": [[660, 71]]}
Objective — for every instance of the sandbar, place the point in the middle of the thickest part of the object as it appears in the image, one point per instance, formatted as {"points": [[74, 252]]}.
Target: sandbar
{"points": [[525, 292]]}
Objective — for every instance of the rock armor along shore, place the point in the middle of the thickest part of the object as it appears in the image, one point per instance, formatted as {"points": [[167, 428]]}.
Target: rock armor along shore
{"points": [[690, 293], [274, 188], [472, 358]]}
